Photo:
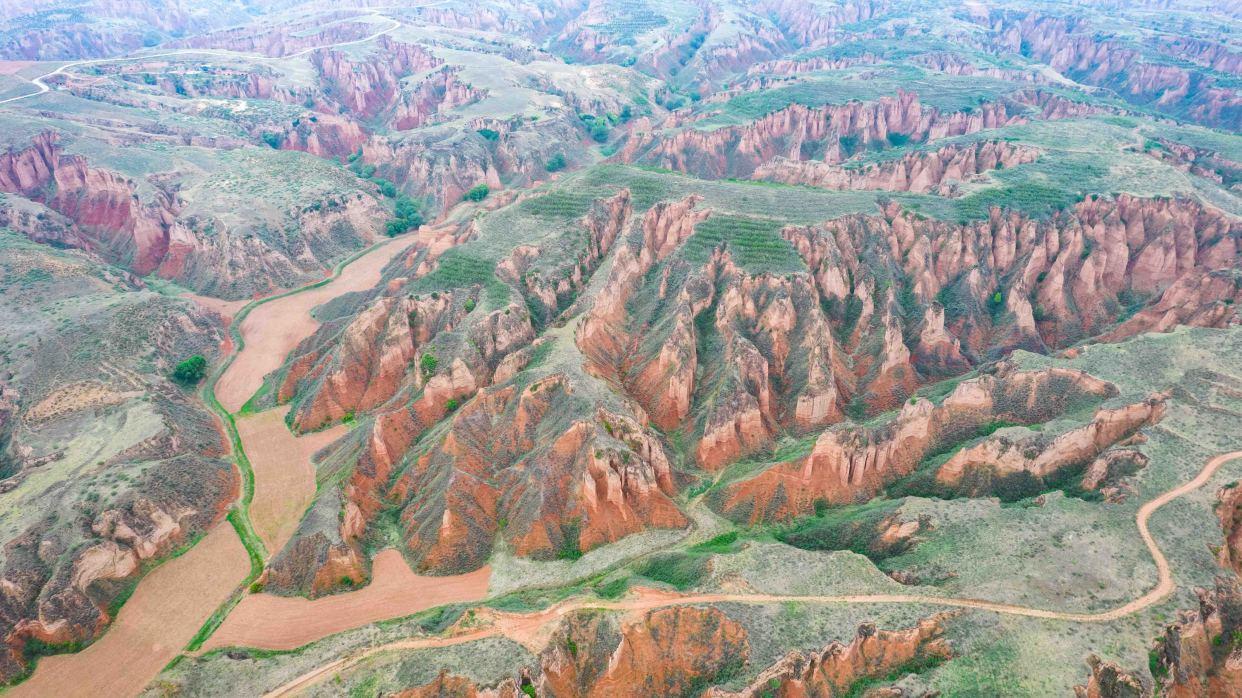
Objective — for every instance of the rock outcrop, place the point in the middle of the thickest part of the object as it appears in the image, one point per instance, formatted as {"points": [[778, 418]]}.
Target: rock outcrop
{"points": [[1076, 49], [1076, 448], [109, 217], [834, 670], [935, 171], [1111, 681], [1200, 654], [830, 133], [854, 464]]}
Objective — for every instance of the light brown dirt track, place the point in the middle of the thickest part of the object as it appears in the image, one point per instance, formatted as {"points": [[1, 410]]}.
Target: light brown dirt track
{"points": [[274, 329], [165, 612], [283, 623], [284, 476], [532, 628]]}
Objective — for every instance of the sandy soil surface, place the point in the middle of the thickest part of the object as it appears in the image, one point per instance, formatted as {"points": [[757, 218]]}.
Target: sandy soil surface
{"points": [[283, 623], [284, 476], [274, 329], [169, 606]]}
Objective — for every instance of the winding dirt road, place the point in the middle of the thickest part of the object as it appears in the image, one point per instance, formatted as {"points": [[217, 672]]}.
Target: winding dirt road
{"points": [[529, 628]]}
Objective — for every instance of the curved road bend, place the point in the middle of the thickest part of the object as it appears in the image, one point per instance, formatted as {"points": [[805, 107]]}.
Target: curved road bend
{"points": [[520, 623]]}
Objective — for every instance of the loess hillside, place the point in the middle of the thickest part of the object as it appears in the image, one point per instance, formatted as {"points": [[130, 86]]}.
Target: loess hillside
{"points": [[614, 347]]}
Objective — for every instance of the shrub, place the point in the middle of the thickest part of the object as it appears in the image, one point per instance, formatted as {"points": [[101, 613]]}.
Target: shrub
{"points": [[451, 404], [428, 364], [271, 139], [570, 548], [556, 163], [386, 187], [470, 305], [477, 193], [489, 134], [679, 570], [599, 132], [191, 370], [613, 589]]}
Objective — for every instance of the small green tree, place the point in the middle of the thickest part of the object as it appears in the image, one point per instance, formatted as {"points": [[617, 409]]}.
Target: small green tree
{"points": [[191, 370], [489, 134], [556, 163], [477, 193], [428, 364]]}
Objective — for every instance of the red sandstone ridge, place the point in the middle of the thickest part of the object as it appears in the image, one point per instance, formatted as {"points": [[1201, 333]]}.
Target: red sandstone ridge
{"points": [[1229, 512], [372, 84], [918, 171], [665, 652], [794, 351], [111, 219], [796, 131], [1078, 51], [1111, 681], [855, 463], [1200, 653], [834, 670], [1077, 447], [683, 649]]}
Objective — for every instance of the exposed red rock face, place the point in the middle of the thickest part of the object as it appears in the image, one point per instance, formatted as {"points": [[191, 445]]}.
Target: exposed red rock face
{"points": [[370, 85], [562, 479], [681, 650], [666, 652], [794, 351], [288, 38], [106, 216], [1198, 161], [55, 603], [1229, 511], [1201, 652], [854, 464], [808, 26], [101, 203], [829, 133], [1111, 681], [1077, 50], [1059, 280], [126, 27], [1076, 447], [1197, 299], [833, 670], [919, 171]]}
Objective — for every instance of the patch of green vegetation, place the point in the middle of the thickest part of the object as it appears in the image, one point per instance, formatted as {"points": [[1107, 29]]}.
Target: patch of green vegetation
{"points": [[857, 528], [614, 589], [722, 544], [477, 193], [679, 570], [559, 204], [190, 371], [754, 243], [571, 548], [918, 665], [427, 364], [556, 163], [407, 214], [458, 269]]}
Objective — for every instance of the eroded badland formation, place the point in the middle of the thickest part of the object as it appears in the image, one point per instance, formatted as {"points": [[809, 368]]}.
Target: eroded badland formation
{"points": [[621, 348]]}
